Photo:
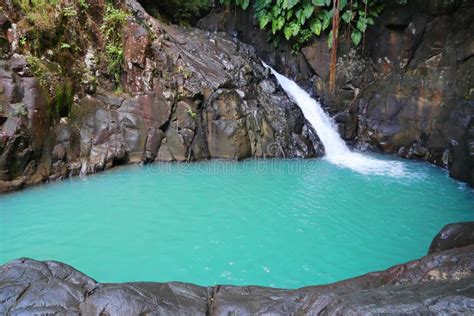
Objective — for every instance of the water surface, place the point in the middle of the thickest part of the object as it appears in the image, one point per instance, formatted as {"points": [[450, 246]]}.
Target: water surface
{"points": [[284, 223]]}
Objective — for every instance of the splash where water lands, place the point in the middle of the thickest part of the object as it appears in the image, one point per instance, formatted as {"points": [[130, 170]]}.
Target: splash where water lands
{"points": [[337, 151]]}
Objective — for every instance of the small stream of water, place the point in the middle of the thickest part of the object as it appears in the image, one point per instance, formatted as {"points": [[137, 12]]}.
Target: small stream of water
{"points": [[337, 151]]}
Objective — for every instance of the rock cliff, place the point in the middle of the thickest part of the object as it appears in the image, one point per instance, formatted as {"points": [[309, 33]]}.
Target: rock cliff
{"points": [[184, 94], [408, 90]]}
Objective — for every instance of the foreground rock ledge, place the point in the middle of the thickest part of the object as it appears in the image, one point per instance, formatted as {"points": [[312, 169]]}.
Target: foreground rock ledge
{"points": [[441, 282]]}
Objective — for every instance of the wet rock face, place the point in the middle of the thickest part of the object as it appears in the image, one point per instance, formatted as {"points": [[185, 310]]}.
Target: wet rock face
{"points": [[439, 283], [24, 125], [227, 132], [187, 95], [425, 108], [413, 93], [453, 236]]}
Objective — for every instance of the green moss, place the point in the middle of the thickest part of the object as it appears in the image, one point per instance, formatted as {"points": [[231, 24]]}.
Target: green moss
{"points": [[184, 71], [58, 89], [69, 11], [45, 24], [115, 54], [40, 13], [63, 98], [83, 4], [112, 29], [191, 113], [38, 68]]}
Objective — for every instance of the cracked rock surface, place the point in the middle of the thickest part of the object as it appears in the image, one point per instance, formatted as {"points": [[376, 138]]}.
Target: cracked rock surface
{"points": [[186, 95]]}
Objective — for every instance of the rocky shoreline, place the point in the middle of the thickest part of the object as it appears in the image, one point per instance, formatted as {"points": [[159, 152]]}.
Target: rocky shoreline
{"points": [[188, 94], [442, 282]]}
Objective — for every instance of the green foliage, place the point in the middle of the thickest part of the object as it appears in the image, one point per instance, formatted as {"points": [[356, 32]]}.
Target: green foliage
{"points": [[300, 20], [41, 13], [114, 20], [454, 3], [112, 29], [83, 4], [191, 113], [65, 46], [44, 24], [69, 11], [38, 68], [184, 71], [115, 54], [48, 25], [60, 92], [22, 41]]}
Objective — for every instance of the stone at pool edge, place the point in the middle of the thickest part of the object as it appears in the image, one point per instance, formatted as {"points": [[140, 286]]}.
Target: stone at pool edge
{"points": [[454, 235], [437, 283]]}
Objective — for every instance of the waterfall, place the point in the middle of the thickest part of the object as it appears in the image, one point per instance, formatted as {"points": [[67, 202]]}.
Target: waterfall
{"points": [[336, 149]]}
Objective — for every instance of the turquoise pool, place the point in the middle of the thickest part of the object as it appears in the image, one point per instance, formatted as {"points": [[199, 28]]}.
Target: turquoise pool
{"points": [[283, 223]]}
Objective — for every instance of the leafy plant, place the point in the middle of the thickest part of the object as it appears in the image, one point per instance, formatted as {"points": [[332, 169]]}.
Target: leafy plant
{"points": [[191, 113], [38, 68], [40, 13], [83, 4], [112, 29], [22, 41], [45, 23], [69, 11], [300, 20], [114, 20], [115, 53]]}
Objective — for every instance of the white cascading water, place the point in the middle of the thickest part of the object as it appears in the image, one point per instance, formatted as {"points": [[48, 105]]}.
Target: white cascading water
{"points": [[336, 150]]}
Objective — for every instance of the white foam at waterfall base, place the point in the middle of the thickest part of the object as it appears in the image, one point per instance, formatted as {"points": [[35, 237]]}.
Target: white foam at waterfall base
{"points": [[336, 149]]}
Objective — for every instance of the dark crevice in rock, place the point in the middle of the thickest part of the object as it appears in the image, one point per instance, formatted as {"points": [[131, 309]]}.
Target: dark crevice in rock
{"points": [[397, 27], [211, 299]]}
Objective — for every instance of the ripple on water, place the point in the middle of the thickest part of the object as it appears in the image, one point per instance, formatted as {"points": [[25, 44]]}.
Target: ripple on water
{"points": [[285, 223]]}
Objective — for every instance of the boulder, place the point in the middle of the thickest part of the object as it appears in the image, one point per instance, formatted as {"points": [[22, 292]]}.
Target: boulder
{"points": [[453, 236]]}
